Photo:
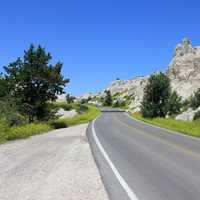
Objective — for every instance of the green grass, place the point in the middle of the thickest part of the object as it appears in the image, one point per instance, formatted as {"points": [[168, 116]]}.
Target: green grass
{"points": [[19, 132], [185, 127], [80, 108], [85, 117], [86, 114]]}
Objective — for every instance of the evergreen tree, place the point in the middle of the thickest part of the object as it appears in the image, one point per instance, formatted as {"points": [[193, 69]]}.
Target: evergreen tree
{"points": [[174, 104], [33, 82], [4, 88], [195, 99], [69, 99], [108, 99], [156, 95]]}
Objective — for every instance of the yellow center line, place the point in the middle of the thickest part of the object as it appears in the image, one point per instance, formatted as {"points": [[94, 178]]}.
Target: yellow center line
{"points": [[163, 141]]}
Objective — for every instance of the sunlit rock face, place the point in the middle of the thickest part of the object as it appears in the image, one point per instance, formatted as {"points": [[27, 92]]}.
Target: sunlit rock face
{"points": [[184, 69]]}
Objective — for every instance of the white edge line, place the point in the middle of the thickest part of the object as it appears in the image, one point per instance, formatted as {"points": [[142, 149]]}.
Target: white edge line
{"points": [[165, 129], [121, 180]]}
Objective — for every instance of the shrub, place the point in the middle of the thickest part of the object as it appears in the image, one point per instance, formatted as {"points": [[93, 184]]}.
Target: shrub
{"points": [[195, 99], [64, 105], [27, 130], [70, 99], [197, 116], [81, 108], [119, 103], [174, 104], [108, 98], [83, 101], [3, 130], [15, 119], [58, 124]]}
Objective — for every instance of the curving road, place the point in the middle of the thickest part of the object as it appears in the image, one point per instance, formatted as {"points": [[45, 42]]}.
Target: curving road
{"points": [[142, 162]]}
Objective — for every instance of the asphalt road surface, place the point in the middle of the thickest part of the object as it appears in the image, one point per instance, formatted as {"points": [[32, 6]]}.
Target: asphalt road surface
{"points": [[141, 162]]}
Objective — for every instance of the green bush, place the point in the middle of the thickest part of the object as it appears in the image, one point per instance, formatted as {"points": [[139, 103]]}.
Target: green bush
{"points": [[81, 108], [197, 116], [66, 106], [119, 103], [4, 128], [174, 104], [195, 99], [108, 99], [15, 119], [58, 124], [27, 130]]}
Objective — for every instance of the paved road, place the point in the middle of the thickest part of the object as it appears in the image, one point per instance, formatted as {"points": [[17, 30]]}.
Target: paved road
{"points": [[147, 163]]}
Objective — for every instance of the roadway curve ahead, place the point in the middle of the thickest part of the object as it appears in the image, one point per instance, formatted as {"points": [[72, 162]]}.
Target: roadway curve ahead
{"points": [[141, 162]]}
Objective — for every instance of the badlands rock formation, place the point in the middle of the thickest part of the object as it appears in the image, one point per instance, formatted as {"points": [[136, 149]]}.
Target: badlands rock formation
{"points": [[183, 70]]}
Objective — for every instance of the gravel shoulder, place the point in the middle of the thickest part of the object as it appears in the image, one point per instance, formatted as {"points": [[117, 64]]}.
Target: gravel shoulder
{"points": [[53, 166]]}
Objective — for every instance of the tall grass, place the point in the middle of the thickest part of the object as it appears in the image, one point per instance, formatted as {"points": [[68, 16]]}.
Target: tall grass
{"points": [[86, 114], [28, 130], [20, 132], [185, 127], [85, 117]]}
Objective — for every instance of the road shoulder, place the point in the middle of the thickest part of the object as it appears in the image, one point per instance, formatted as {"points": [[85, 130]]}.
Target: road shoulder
{"points": [[58, 165]]}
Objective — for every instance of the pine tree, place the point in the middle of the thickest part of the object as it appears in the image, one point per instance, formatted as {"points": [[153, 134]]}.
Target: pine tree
{"points": [[156, 95], [34, 82], [108, 99]]}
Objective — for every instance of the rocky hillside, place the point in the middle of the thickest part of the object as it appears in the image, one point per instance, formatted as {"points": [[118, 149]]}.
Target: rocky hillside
{"points": [[183, 70]]}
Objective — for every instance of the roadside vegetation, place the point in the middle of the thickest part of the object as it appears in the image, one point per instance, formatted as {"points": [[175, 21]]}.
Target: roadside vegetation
{"points": [[186, 127], [161, 105], [84, 117], [29, 88]]}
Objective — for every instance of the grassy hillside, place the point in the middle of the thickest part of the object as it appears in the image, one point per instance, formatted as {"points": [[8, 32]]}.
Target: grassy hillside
{"points": [[185, 127]]}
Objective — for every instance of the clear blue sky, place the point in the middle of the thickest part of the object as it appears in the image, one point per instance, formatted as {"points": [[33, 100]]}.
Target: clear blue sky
{"points": [[99, 40]]}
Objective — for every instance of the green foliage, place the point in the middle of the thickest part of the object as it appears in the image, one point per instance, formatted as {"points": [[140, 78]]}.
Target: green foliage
{"points": [[58, 124], [108, 99], [186, 104], [195, 99], [33, 82], [156, 95], [4, 128], [70, 99], [66, 106], [27, 130], [4, 87], [174, 104], [85, 117], [15, 119], [119, 103], [197, 116], [81, 108], [185, 127], [7, 106], [83, 101]]}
